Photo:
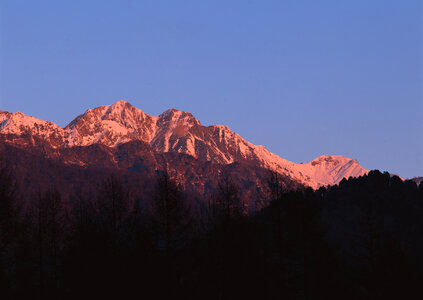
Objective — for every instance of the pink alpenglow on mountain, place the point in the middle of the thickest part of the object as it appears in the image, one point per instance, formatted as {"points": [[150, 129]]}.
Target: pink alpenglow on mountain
{"points": [[173, 131]]}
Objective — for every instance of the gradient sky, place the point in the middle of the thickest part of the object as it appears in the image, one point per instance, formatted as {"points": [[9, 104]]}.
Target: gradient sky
{"points": [[303, 78]]}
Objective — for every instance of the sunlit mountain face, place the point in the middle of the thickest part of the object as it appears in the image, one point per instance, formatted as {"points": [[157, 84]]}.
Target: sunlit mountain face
{"points": [[119, 196], [171, 133]]}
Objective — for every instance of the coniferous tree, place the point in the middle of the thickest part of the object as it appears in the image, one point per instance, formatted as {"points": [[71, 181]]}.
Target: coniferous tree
{"points": [[114, 209], [227, 203], [50, 234], [83, 248], [275, 200], [8, 214], [170, 215], [8, 225], [171, 222]]}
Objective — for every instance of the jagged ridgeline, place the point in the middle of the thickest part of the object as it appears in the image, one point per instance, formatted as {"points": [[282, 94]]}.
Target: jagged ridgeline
{"points": [[120, 203], [171, 133]]}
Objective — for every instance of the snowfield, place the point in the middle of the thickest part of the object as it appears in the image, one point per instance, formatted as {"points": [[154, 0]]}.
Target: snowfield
{"points": [[175, 131]]}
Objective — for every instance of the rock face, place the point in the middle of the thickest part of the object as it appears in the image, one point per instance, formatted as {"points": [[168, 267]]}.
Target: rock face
{"points": [[173, 131]]}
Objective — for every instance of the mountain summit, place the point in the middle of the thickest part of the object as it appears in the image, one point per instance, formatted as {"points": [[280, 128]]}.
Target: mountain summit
{"points": [[171, 131]]}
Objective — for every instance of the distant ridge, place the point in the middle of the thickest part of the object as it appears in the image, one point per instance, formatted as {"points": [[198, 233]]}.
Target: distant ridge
{"points": [[417, 180]]}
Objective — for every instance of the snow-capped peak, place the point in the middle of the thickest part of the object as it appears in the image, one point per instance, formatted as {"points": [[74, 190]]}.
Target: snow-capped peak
{"points": [[20, 124], [111, 125], [329, 170], [175, 131]]}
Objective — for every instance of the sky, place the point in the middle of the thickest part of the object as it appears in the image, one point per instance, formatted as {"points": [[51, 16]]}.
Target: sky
{"points": [[303, 78]]}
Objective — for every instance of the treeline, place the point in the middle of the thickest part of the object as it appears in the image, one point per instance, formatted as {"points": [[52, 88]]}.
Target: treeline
{"points": [[359, 240]]}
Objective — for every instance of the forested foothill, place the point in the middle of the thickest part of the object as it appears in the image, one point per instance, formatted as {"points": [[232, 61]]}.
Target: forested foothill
{"points": [[361, 239]]}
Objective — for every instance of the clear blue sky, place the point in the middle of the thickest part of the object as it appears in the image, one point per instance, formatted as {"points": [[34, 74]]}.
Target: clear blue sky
{"points": [[303, 78]]}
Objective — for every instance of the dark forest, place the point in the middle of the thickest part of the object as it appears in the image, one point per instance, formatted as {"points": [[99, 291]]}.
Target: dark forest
{"points": [[361, 239]]}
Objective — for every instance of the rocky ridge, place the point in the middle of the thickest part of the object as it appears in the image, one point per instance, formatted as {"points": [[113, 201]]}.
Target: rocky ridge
{"points": [[171, 131]]}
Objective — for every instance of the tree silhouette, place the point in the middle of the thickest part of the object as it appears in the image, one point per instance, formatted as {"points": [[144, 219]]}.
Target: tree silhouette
{"points": [[170, 215], [51, 227], [8, 223], [8, 213], [360, 239], [227, 203], [171, 222], [275, 199], [114, 210]]}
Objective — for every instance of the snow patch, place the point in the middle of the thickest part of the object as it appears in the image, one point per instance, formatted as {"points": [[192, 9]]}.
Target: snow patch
{"points": [[177, 131]]}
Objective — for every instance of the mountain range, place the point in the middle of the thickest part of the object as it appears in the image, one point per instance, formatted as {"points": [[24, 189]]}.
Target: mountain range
{"points": [[173, 131]]}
